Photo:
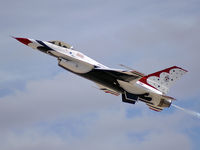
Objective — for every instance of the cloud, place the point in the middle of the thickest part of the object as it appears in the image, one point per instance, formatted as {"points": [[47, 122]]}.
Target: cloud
{"points": [[45, 107], [106, 131], [49, 97], [139, 34], [65, 111]]}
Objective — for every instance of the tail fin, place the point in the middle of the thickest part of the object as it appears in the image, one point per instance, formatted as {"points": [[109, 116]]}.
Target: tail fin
{"points": [[162, 80]]}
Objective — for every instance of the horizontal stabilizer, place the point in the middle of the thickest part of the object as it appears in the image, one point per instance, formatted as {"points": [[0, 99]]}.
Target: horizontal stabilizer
{"points": [[108, 90], [155, 108]]}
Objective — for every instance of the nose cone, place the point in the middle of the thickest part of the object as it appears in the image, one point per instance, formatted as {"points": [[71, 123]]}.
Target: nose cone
{"points": [[23, 40]]}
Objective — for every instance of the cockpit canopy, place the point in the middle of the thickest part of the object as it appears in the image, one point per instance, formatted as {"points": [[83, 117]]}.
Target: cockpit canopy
{"points": [[62, 44]]}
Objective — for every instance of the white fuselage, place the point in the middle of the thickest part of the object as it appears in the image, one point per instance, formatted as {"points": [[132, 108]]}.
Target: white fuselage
{"points": [[132, 85], [79, 63]]}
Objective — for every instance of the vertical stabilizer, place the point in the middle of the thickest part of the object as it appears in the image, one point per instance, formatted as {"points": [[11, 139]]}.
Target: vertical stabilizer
{"points": [[162, 80]]}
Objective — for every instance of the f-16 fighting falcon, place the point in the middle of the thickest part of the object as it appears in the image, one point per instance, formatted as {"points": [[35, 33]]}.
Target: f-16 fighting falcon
{"points": [[131, 84]]}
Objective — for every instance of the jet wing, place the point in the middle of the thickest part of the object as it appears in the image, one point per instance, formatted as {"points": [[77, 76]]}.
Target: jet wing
{"points": [[120, 74]]}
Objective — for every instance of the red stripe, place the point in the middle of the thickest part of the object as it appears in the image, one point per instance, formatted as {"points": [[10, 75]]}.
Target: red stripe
{"points": [[154, 109], [153, 106], [144, 79], [23, 40], [110, 92]]}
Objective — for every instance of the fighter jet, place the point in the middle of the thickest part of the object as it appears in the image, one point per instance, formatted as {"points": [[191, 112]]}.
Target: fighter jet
{"points": [[132, 85]]}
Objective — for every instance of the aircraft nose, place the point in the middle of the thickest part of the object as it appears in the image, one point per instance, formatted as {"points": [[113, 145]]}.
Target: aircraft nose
{"points": [[23, 40], [35, 44]]}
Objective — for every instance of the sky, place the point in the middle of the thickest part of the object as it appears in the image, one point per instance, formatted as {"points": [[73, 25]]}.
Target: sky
{"points": [[43, 106]]}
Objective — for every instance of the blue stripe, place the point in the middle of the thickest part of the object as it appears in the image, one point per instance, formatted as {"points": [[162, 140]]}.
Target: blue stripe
{"points": [[40, 42]]}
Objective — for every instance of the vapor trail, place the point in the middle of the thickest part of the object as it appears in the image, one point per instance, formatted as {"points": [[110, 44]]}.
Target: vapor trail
{"points": [[196, 114]]}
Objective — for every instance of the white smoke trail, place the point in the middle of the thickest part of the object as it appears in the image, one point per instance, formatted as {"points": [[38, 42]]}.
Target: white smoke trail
{"points": [[196, 114]]}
